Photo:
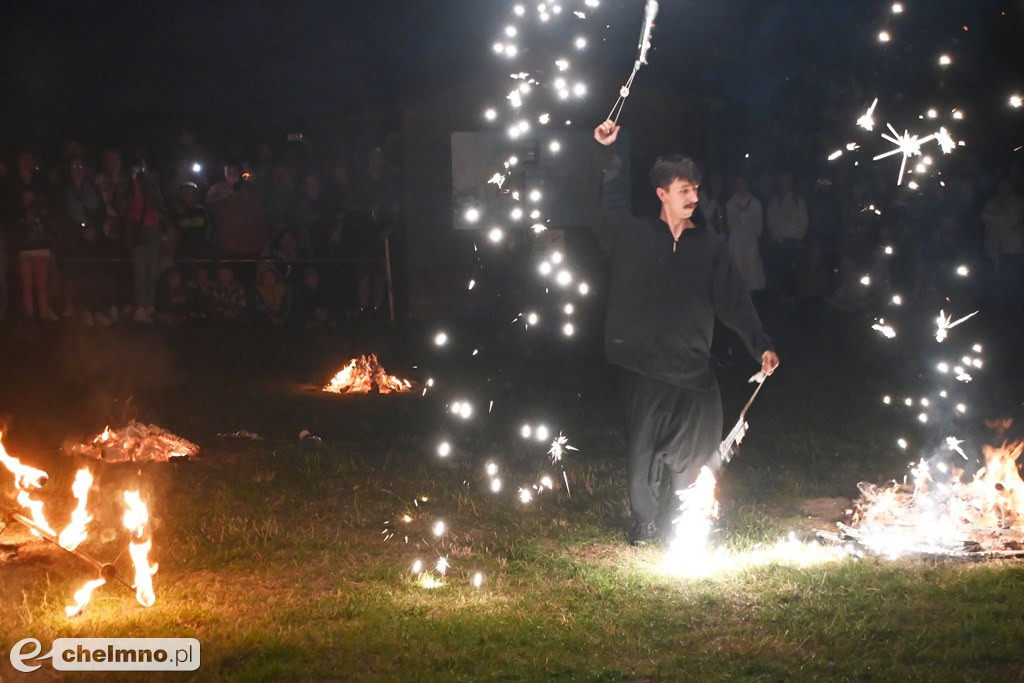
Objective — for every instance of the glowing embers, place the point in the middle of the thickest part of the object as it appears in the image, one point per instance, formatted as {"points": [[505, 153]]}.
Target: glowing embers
{"points": [[361, 374], [136, 442]]}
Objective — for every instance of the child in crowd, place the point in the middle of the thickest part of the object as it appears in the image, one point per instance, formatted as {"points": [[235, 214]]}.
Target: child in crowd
{"points": [[227, 300], [310, 305], [270, 297], [172, 299], [200, 294], [192, 226]]}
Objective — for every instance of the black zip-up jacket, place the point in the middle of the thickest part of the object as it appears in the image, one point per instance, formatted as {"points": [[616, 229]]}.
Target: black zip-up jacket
{"points": [[662, 302]]}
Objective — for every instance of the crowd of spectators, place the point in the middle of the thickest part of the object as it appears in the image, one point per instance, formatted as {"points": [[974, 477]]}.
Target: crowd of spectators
{"points": [[101, 236], [808, 240]]}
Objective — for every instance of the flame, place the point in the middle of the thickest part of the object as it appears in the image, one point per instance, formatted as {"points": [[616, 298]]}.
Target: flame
{"points": [[361, 373], [35, 507], [104, 436], [135, 442], [75, 532], [82, 597], [25, 477], [940, 513], [136, 517]]}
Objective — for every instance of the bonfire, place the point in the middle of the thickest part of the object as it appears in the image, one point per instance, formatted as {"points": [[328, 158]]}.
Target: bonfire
{"points": [[136, 442], [936, 513], [361, 374]]}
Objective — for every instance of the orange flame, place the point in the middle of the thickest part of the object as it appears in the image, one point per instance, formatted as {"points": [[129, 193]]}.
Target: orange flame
{"points": [[25, 477], [942, 514], [75, 532], [361, 373], [136, 517], [82, 597]]}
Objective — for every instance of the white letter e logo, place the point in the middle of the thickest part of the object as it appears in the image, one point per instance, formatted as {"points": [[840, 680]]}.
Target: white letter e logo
{"points": [[17, 657]]}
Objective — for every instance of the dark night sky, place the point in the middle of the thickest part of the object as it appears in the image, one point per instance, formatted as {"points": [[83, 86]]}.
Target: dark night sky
{"points": [[94, 65]]}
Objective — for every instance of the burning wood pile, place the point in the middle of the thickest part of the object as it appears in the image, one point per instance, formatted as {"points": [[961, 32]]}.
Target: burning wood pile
{"points": [[136, 442], [939, 514], [361, 374], [31, 515]]}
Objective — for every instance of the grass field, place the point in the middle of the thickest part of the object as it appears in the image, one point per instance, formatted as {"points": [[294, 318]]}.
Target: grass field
{"points": [[272, 552]]}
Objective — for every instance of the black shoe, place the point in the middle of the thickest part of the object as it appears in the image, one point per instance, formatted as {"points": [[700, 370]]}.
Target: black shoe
{"points": [[641, 534]]}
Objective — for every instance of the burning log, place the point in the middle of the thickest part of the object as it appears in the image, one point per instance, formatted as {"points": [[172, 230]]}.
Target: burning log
{"points": [[361, 374], [137, 442]]}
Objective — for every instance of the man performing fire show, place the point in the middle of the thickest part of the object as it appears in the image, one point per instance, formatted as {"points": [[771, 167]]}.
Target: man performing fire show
{"points": [[670, 279]]}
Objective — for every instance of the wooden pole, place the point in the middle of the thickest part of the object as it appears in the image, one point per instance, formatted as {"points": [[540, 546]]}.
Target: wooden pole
{"points": [[387, 275]]}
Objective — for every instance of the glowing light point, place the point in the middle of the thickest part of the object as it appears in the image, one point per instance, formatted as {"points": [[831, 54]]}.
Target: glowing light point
{"points": [[568, 329], [866, 280], [439, 528], [897, 300], [490, 114], [1016, 101], [902, 443], [564, 278], [478, 580], [532, 319], [495, 485], [888, 250], [945, 60], [584, 289], [884, 37], [495, 235], [554, 146], [440, 339], [491, 469], [581, 43], [472, 215], [535, 195], [963, 271], [897, 8], [444, 449], [541, 433], [961, 408], [544, 268], [569, 309], [942, 367], [887, 400], [526, 431]]}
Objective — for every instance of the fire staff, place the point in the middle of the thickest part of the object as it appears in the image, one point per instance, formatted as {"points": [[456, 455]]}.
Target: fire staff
{"points": [[670, 279]]}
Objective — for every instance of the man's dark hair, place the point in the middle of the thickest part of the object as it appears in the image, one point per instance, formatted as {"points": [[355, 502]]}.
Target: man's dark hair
{"points": [[671, 167]]}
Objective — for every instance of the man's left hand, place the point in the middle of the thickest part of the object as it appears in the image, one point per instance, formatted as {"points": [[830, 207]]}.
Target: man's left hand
{"points": [[769, 361]]}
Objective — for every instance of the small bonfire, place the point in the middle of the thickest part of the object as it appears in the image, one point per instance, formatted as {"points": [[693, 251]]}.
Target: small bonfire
{"points": [[361, 374], [136, 442], [940, 513]]}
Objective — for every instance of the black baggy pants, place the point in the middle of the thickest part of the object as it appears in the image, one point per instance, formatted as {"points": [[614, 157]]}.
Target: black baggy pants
{"points": [[667, 428]]}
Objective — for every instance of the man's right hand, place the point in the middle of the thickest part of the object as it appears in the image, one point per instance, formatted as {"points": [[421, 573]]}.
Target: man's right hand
{"points": [[607, 132]]}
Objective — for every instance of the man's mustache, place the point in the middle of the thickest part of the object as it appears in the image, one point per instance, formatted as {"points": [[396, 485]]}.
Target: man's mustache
{"points": [[692, 205]]}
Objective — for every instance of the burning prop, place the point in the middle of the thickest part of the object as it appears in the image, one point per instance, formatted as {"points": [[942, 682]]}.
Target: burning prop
{"points": [[27, 480], [361, 374], [136, 442]]}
